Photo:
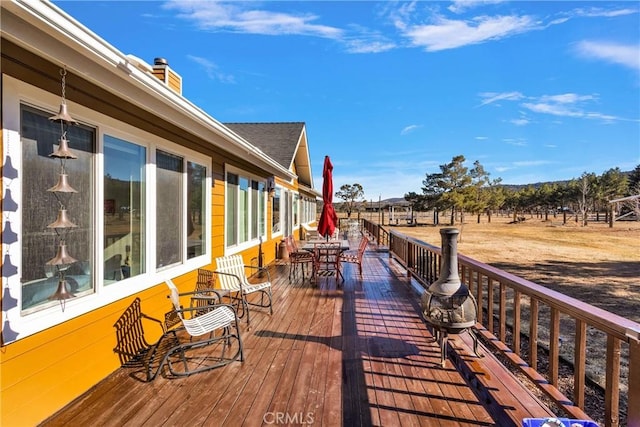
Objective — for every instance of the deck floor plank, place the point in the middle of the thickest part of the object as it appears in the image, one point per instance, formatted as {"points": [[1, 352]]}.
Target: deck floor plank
{"points": [[355, 353]]}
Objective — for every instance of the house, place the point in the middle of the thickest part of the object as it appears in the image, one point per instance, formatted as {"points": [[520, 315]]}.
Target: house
{"points": [[145, 187]]}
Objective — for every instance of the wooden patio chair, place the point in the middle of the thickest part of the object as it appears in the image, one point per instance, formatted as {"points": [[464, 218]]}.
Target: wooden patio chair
{"points": [[355, 257], [232, 277], [298, 257], [327, 260], [200, 327]]}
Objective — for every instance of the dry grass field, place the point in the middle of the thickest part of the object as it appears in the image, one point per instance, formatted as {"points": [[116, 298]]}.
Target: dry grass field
{"points": [[596, 264]]}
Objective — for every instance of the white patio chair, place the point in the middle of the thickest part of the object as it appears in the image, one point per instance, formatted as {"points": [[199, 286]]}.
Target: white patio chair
{"points": [[232, 277], [204, 326]]}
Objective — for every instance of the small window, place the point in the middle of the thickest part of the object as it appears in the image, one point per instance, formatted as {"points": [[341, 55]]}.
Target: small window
{"points": [[124, 209], [169, 209], [276, 223], [232, 209], [196, 216]]}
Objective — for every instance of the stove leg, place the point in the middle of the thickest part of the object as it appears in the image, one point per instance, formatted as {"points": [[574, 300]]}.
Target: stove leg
{"points": [[474, 335], [444, 338]]}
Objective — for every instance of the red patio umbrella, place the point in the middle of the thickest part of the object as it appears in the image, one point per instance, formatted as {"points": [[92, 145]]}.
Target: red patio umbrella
{"points": [[328, 217]]}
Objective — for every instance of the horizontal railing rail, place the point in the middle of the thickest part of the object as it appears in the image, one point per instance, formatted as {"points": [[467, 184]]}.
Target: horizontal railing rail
{"points": [[379, 234], [508, 302]]}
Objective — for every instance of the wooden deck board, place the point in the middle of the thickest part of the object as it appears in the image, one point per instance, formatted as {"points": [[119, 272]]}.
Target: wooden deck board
{"points": [[352, 354]]}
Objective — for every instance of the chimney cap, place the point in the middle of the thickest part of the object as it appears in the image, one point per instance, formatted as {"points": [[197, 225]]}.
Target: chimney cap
{"points": [[160, 61]]}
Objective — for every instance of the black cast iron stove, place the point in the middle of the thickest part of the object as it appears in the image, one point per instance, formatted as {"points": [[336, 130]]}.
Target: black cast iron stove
{"points": [[448, 306]]}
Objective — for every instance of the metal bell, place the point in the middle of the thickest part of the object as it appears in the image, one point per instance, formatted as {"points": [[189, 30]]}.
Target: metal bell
{"points": [[63, 185], [62, 221], [63, 116], [61, 293], [63, 151], [62, 257]]}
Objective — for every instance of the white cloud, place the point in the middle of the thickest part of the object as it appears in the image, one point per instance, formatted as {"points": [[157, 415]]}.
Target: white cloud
{"points": [[550, 108], [460, 6], [369, 46], [597, 12], [481, 138], [491, 97], [514, 141], [242, 17], [566, 98], [212, 69], [562, 105], [520, 122], [450, 34], [409, 129], [564, 110], [620, 54]]}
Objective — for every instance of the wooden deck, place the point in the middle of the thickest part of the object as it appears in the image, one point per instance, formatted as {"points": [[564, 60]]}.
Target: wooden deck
{"points": [[351, 355]]}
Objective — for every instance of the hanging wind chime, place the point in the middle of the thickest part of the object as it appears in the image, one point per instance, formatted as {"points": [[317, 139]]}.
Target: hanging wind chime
{"points": [[62, 191]]}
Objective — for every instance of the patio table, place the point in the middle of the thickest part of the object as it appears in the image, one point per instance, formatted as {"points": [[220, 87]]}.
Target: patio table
{"points": [[309, 245]]}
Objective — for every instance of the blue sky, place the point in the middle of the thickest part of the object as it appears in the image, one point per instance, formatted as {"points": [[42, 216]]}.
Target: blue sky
{"points": [[535, 91]]}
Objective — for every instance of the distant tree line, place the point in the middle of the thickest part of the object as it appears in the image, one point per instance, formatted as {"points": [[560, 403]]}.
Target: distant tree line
{"points": [[459, 189]]}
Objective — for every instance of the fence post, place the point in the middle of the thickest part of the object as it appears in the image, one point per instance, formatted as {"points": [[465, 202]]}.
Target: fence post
{"points": [[633, 394]]}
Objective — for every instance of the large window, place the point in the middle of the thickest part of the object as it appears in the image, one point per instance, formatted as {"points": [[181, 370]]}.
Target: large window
{"points": [[134, 207], [41, 207], [245, 210]]}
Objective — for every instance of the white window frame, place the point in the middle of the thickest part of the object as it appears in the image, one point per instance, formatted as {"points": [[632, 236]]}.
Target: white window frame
{"points": [[253, 240], [279, 233], [23, 324], [296, 210]]}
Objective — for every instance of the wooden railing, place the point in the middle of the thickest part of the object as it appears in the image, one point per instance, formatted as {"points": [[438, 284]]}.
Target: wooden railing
{"points": [[375, 231], [544, 318]]}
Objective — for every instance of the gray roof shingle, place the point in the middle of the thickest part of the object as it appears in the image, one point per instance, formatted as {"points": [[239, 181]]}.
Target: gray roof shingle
{"points": [[277, 140]]}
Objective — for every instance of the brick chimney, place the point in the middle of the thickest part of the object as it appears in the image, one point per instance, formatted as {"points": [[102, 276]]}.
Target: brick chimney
{"points": [[162, 71]]}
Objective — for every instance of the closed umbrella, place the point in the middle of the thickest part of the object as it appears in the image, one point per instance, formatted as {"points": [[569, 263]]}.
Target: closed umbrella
{"points": [[328, 217]]}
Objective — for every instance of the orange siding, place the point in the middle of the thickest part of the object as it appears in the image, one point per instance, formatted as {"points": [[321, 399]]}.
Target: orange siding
{"points": [[175, 81], [159, 73]]}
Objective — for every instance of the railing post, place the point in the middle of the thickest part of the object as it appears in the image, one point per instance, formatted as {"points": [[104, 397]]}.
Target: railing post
{"points": [[633, 393], [612, 380], [554, 344], [533, 333], [579, 363], [517, 311]]}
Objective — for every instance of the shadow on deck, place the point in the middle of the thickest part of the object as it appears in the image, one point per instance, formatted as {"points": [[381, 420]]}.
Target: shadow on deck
{"points": [[357, 354]]}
